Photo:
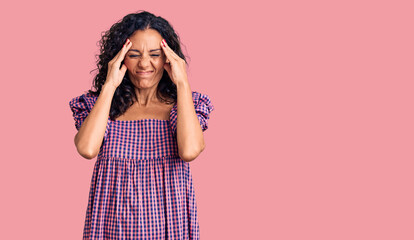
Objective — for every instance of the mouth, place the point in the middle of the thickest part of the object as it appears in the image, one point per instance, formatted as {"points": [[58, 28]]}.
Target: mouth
{"points": [[145, 72]]}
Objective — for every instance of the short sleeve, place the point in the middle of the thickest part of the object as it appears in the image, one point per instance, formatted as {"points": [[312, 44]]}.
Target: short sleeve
{"points": [[81, 106], [203, 107]]}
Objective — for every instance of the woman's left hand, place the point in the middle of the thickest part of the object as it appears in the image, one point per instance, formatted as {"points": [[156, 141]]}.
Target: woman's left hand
{"points": [[174, 65]]}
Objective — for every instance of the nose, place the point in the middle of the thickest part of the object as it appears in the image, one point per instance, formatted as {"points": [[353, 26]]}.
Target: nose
{"points": [[144, 62]]}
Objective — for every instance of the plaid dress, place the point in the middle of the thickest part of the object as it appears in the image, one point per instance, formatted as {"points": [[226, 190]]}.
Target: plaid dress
{"points": [[140, 188]]}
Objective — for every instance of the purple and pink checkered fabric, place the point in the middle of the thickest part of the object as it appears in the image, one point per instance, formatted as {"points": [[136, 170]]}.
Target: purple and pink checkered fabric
{"points": [[140, 187]]}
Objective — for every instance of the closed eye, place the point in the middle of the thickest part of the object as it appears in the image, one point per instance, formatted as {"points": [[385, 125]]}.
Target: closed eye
{"points": [[154, 55]]}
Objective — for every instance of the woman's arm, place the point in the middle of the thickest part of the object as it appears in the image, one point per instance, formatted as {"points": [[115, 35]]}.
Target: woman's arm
{"points": [[190, 138], [89, 138]]}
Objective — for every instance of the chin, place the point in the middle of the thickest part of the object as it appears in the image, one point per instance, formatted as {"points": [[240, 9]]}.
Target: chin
{"points": [[146, 83]]}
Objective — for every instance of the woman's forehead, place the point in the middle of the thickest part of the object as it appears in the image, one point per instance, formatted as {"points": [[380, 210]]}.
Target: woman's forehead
{"points": [[146, 40], [146, 35]]}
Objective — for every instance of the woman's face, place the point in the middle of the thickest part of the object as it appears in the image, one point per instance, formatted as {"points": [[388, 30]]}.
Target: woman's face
{"points": [[145, 55]]}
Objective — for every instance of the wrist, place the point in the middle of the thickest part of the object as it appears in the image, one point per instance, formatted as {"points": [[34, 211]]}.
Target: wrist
{"points": [[107, 87], [183, 84]]}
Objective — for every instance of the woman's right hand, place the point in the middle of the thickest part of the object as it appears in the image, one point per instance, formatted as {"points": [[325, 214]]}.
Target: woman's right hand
{"points": [[116, 74]]}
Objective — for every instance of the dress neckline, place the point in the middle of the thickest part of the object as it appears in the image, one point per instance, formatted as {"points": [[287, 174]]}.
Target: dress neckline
{"points": [[148, 119], [144, 119]]}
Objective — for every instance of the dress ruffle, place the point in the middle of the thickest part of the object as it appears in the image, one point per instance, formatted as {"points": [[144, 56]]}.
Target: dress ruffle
{"points": [[203, 108]]}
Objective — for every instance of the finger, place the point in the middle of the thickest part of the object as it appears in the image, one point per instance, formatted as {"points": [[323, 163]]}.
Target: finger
{"points": [[120, 51], [123, 69], [171, 55], [121, 54], [124, 50], [167, 54]]}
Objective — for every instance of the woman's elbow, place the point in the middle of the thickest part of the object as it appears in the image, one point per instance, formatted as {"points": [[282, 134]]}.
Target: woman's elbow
{"points": [[189, 156], [85, 151], [87, 155]]}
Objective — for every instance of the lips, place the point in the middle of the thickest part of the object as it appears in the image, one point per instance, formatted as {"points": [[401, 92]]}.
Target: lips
{"points": [[145, 72]]}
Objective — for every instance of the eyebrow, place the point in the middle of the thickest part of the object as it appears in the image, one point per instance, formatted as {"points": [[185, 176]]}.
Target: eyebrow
{"points": [[152, 50]]}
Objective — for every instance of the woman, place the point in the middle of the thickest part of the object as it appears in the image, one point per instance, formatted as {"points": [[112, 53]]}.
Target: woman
{"points": [[145, 125]]}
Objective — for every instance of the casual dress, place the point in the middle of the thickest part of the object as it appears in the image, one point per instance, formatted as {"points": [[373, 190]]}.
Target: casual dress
{"points": [[140, 187]]}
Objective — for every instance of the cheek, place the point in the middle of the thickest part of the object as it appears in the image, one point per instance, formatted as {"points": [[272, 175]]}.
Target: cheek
{"points": [[158, 62], [126, 62], [130, 63]]}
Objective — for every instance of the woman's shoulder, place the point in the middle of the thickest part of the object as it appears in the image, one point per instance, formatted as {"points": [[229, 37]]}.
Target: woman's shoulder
{"points": [[86, 96], [85, 100], [197, 96], [200, 98]]}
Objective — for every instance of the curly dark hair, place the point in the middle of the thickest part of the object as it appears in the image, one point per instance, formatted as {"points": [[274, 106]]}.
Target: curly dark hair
{"points": [[111, 43]]}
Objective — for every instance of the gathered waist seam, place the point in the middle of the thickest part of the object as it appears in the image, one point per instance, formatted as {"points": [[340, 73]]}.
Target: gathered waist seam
{"points": [[136, 159]]}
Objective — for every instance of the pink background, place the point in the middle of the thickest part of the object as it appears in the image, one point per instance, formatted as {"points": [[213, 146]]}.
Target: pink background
{"points": [[311, 137]]}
